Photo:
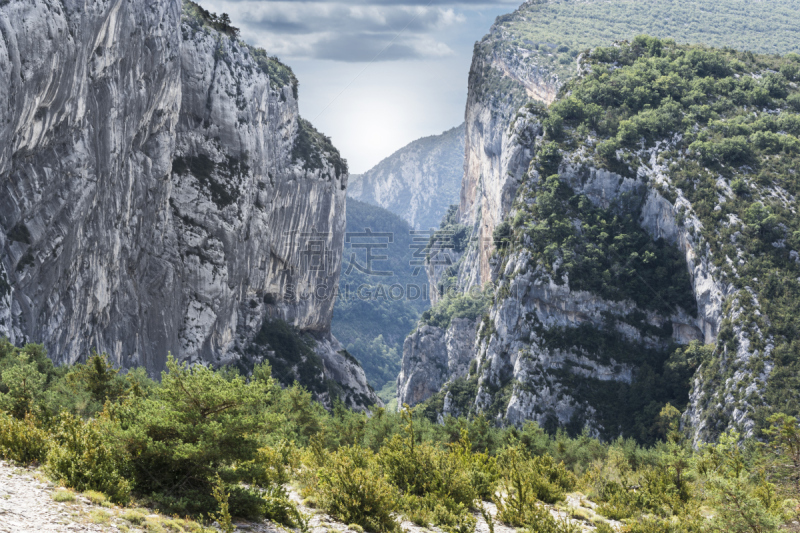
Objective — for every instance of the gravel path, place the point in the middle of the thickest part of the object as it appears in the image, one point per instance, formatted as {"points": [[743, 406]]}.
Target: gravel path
{"points": [[26, 505]]}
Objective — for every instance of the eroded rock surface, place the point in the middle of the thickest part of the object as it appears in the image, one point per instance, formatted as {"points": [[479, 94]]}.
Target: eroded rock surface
{"points": [[160, 192]]}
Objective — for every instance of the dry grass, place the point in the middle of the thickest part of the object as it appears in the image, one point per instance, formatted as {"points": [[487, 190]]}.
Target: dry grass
{"points": [[97, 498], [100, 516], [134, 516], [63, 496]]}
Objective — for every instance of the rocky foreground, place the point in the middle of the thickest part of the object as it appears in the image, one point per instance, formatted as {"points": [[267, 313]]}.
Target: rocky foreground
{"points": [[30, 502]]}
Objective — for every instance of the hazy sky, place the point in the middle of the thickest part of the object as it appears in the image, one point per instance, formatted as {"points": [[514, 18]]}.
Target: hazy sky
{"points": [[374, 75]]}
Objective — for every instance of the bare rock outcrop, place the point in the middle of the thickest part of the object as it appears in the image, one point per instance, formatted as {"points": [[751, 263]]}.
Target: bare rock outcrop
{"points": [[160, 192]]}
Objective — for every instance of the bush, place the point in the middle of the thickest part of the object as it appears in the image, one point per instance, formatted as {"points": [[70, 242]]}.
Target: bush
{"points": [[84, 457], [468, 305], [134, 516], [430, 510], [652, 525], [97, 498], [22, 440], [63, 496], [278, 507], [269, 468], [198, 424], [420, 469], [526, 480], [549, 159], [351, 488], [23, 384], [536, 518]]}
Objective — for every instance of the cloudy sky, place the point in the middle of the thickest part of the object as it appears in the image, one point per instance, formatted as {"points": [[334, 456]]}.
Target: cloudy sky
{"points": [[374, 74]]}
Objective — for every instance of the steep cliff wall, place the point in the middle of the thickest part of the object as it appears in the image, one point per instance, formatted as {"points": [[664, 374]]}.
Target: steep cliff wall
{"points": [[160, 192], [554, 349], [418, 182]]}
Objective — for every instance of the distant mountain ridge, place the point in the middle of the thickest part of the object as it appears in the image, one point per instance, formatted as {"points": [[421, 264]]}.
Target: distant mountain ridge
{"points": [[417, 182]]}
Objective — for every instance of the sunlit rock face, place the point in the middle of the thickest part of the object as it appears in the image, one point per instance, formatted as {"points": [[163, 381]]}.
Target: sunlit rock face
{"points": [[418, 182], [516, 372], [160, 192]]}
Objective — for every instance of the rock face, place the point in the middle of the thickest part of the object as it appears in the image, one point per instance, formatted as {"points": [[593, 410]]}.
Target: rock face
{"points": [[159, 191], [432, 357], [525, 363], [524, 367], [418, 182]]}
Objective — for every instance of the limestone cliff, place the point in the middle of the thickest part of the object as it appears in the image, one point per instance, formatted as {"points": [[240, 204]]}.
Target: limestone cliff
{"points": [[160, 192], [418, 182], [545, 349]]}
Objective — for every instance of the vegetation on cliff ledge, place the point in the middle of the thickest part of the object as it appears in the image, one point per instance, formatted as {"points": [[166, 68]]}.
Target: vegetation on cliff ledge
{"points": [[723, 127]]}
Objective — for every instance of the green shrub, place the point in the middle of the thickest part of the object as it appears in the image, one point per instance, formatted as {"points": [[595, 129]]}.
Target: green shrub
{"points": [[97, 498], [198, 424], [536, 518], [22, 440], [84, 456], [432, 510], [420, 469], [526, 479], [352, 489], [99, 516], [223, 515], [617, 502], [63, 496], [279, 508], [604, 527], [270, 466], [459, 305], [134, 516], [21, 384]]}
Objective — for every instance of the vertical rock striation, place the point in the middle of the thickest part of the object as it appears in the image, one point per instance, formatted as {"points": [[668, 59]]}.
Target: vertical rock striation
{"points": [[160, 192]]}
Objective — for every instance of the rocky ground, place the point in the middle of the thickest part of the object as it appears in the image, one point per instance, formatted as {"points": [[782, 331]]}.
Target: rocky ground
{"points": [[29, 502]]}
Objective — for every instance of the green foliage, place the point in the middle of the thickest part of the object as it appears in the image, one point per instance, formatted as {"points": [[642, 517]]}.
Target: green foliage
{"points": [[88, 456], [784, 437], [22, 441], [525, 481], [98, 378], [24, 384], [291, 355], [722, 119], [353, 490], [420, 469], [214, 443], [63, 496], [195, 13], [470, 305], [195, 426], [270, 465], [223, 516], [279, 74], [311, 146], [743, 504], [553, 33], [605, 251], [451, 235]]}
